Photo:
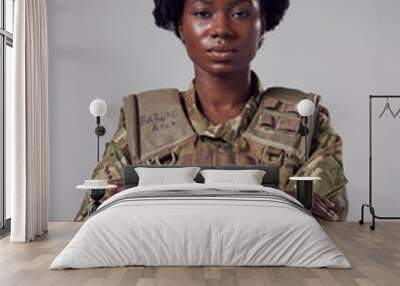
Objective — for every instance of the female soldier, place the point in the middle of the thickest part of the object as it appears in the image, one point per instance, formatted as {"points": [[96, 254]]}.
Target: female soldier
{"points": [[225, 117]]}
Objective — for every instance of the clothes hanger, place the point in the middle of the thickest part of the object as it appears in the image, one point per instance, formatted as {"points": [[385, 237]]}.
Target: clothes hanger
{"points": [[387, 107], [397, 113]]}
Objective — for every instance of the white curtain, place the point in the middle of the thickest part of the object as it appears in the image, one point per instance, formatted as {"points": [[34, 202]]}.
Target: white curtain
{"points": [[27, 132]]}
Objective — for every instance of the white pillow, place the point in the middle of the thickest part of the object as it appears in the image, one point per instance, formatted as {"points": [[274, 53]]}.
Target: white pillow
{"points": [[248, 177], [162, 176]]}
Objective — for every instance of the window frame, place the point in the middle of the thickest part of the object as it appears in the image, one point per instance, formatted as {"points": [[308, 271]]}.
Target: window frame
{"points": [[6, 39]]}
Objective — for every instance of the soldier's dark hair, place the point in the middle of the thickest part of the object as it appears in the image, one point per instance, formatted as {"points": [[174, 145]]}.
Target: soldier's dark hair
{"points": [[168, 13]]}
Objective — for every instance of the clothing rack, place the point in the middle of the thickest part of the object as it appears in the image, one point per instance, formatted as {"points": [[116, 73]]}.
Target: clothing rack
{"points": [[370, 205]]}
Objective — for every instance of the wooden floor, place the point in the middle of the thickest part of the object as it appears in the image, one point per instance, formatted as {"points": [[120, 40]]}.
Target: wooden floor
{"points": [[375, 257]]}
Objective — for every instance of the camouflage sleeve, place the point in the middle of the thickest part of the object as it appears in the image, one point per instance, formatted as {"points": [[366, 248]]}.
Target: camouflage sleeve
{"points": [[326, 162], [110, 168]]}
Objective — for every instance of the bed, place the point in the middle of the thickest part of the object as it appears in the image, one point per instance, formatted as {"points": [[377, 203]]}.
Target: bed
{"points": [[198, 224]]}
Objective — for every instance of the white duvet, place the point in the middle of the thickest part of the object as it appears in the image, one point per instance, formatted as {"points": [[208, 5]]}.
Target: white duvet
{"points": [[200, 231]]}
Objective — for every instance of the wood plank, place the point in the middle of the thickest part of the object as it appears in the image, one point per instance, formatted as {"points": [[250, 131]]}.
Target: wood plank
{"points": [[375, 257]]}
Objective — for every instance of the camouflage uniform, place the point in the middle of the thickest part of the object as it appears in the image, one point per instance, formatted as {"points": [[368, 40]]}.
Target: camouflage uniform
{"points": [[265, 133]]}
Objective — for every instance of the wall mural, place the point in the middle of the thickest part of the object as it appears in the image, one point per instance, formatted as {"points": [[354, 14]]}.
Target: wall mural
{"points": [[226, 117]]}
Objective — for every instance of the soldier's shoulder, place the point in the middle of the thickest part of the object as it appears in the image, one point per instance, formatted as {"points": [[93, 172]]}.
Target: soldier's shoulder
{"points": [[295, 95], [289, 94], [155, 92]]}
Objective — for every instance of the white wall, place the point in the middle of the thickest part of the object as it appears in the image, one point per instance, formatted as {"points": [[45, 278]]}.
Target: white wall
{"points": [[344, 50]]}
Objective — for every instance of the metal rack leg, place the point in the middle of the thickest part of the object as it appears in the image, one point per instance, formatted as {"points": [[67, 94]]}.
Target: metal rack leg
{"points": [[372, 211], [361, 221], [374, 216]]}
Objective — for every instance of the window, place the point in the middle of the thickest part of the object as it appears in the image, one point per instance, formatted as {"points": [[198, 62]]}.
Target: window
{"points": [[6, 60]]}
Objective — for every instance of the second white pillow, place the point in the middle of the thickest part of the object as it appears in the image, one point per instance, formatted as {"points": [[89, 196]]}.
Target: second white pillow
{"points": [[248, 177]]}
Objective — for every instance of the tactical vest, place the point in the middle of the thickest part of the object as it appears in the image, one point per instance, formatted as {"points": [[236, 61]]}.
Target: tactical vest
{"points": [[157, 123], [274, 130]]}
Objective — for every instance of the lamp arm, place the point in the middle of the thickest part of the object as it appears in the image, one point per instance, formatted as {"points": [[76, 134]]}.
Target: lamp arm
{"points": [[98, 137], [304, 131], [100, 131], [306, 141]]}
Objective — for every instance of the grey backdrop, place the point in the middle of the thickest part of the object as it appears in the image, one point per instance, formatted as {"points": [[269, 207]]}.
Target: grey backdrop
{"points": [[343, 50]]}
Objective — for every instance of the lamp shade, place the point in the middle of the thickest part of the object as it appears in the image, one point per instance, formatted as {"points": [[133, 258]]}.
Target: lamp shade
{"points": [[305, 107], [98, 107]]}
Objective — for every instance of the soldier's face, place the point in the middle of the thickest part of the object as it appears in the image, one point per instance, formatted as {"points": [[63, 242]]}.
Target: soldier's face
{"points": [[222, 36]]}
